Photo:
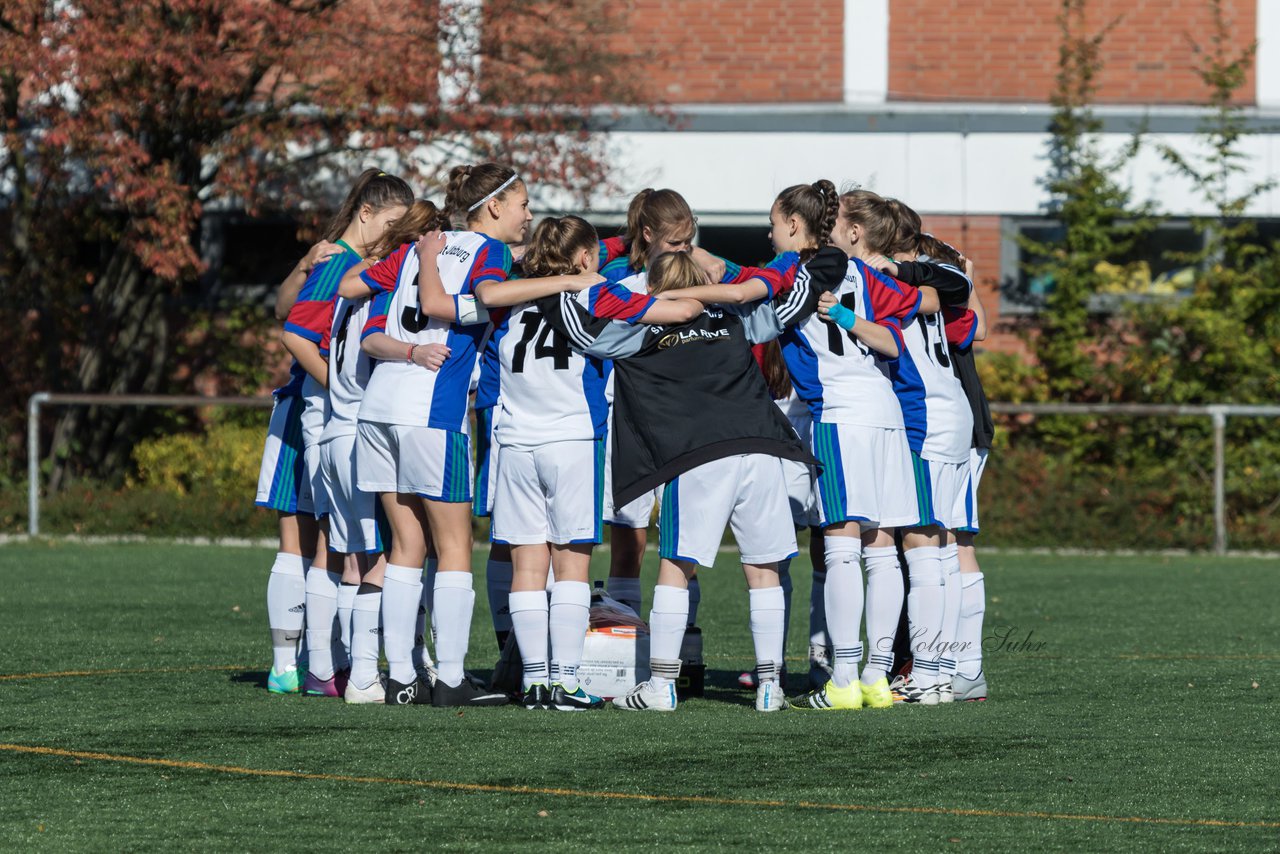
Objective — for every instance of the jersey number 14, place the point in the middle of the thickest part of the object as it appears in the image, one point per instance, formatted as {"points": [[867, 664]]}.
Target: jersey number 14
{"points": [[549, 344]]}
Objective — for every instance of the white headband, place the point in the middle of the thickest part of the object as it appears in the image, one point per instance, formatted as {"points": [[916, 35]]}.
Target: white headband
{"points": [[505, 184]]}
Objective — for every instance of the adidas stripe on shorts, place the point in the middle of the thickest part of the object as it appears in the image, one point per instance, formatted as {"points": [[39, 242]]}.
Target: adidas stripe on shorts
{"points": [[941, 490], [425, 461], [551, 493], [353, 525], [282, 482], [969, 512], [746, 492], [486, 462], [866, 475]]}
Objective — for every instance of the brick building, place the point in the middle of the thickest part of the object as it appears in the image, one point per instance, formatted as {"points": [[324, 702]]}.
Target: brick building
{"points": [[942, 104]]}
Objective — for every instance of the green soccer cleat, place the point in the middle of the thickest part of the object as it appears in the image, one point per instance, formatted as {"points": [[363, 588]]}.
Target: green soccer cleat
{"points": [[289, 682]]}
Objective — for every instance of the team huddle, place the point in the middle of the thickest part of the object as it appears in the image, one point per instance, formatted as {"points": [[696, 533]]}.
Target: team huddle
{"points": [[831, 389]]}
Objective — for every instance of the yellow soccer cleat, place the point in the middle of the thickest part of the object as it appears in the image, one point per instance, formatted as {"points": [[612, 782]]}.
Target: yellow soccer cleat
{"points": [[830, 697], [877, 695]]}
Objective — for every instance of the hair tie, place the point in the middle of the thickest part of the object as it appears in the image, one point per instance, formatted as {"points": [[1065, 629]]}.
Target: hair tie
{"points": [[381, 175], [501, 187]]}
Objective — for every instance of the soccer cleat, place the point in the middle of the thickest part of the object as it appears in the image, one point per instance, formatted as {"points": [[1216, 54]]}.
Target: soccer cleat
{"points": [[969, 690], [830, 697], [415, 693], [466, 694], [910, 692], [877, 695], [577, 700], [334, 686], [427, 673], [945, 692], [375, 693], [289, 682], [648, 697], [769, 697], [536, 696]]}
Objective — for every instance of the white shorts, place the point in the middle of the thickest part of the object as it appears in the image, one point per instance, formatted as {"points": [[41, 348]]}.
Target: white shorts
{"points": [[550, 494], [746, 492], [353, 525], [425, 461], [866, 476], [969, 512], [314, 414], [486, 462], [942, 489], [802, 494], [638, 513], [282, 481]]}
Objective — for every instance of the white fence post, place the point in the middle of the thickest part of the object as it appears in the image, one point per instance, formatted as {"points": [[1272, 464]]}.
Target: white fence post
{"points": [[1219, 415], [33, 462]]}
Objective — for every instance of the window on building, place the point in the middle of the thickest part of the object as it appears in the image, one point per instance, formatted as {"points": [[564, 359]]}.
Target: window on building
{"points": [[1147, 271]]}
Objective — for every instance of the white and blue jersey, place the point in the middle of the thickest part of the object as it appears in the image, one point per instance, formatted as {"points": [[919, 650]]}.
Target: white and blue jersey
{"points": [[935, 410], [841, 379], [403, 393]]}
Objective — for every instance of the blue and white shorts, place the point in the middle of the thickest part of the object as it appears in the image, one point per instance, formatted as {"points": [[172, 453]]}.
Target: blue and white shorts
{"points": [[866, 476], [425, 461], [353, 516], [282, 481], [746, 492], [551, 493]]}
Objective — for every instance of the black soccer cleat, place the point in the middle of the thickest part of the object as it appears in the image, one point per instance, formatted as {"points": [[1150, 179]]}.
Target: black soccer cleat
{"points": [[536, 697], [466, 694], [415, 693], [576, 701]]}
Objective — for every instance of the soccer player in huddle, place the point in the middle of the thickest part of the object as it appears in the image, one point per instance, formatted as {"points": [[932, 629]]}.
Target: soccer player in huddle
{"points": [[289, 481], [872, 369]]}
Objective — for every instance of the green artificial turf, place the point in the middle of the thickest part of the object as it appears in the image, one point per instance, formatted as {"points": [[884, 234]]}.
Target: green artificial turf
{"points": [[1134, 698]]}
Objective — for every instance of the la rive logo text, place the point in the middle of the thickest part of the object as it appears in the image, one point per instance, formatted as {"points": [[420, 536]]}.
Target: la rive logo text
{"points": [[689, 336]]}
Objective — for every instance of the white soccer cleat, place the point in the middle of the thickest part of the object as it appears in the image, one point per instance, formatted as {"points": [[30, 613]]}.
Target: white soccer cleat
{"points": [[648, 697], [769, 697], [945, 692], [375, 693]]}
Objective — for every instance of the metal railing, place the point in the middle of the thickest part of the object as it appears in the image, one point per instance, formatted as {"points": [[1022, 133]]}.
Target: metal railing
{"points": [[45, 398], [1217, 413]]}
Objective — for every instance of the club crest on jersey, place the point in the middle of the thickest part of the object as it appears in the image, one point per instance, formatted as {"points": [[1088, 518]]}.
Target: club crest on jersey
{"points": [[687, 336]]}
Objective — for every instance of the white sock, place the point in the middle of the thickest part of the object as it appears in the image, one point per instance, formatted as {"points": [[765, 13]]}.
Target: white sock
{"points": [[768, 626], [569, 616], [973, 607], [695, 596], [844, 598], [529, 618], [286, 594], [365, 618], [322, 608], [950, 555], [924, 613], [454, 600], [884, 609], [426, 609], [818, 610], [401, 598], [346, 602], [627, 591], [667, 621], [497, 583], [784, 580]]}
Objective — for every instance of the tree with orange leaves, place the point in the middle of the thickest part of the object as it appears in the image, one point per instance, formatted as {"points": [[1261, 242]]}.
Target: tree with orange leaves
{"points": [[125, 122]]}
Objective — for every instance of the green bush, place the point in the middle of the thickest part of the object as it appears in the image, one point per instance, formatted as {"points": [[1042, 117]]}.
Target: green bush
{"points": [[223, 461]]}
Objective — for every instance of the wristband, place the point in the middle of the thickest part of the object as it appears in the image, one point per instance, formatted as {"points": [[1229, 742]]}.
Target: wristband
{"points": [[842, 316], [409, 356]]}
